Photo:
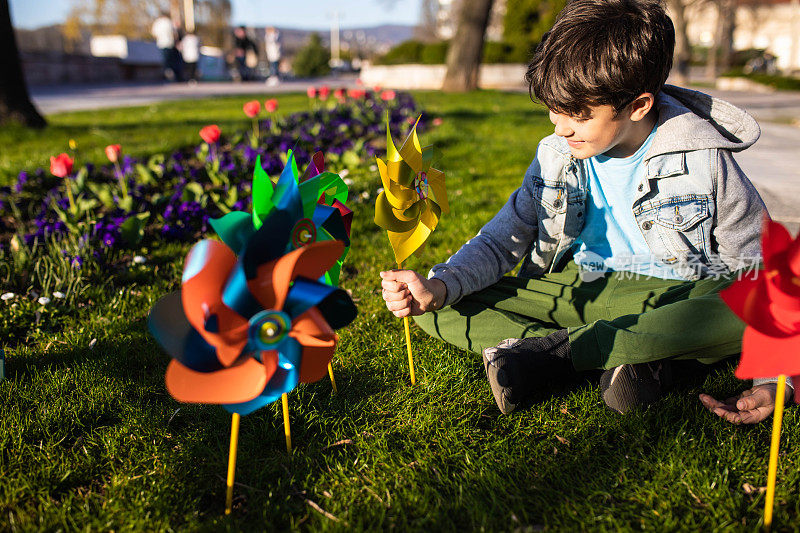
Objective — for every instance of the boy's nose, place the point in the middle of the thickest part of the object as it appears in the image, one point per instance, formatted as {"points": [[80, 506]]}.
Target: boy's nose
{"points": [[560, 122]]}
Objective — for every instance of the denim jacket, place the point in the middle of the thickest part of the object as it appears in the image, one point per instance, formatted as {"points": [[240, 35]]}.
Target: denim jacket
{"points": [[696, 209]]}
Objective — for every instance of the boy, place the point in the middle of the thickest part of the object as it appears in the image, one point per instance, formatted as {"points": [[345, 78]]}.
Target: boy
{"points": [[631, 218]]}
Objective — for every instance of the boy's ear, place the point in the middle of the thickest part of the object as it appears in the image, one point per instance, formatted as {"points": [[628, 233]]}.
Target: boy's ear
{"points": [[641, 106]]}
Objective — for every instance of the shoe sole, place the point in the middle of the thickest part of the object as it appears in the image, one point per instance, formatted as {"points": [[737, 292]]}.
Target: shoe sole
{"points": [[628, 386], [496, 374]]}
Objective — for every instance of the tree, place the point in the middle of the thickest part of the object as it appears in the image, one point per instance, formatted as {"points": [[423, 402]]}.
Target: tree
{"points": [[683, 49], [15, 102], [720, 57], [525, 23], [133, 18], [425, 30], [312, 59], [466, 47]]}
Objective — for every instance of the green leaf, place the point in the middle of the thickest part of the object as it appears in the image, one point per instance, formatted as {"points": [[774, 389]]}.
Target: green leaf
{"points": [[80, 179], [156, 164], [350, 159], [102, 193], [145, 176], [126, 204], [192, 192], [132, 230], [86, 204]]}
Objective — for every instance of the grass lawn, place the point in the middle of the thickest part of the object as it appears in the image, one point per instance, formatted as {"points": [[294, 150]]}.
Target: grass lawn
{"points": [[90, 438]]}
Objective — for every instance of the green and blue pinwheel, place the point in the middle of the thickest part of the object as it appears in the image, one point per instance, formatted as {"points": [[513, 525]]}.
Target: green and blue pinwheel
{"points": [[315, 202]]}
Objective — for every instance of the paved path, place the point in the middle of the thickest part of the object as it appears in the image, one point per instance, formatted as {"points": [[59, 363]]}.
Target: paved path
{"points": [[773, 163], [55, 99]]}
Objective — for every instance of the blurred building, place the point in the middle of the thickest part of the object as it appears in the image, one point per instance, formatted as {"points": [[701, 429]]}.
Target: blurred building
{"points": [[770, 25]]}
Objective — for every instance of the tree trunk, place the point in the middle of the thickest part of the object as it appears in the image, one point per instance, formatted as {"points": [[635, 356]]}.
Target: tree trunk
{"points": [[728, 25], [683, 51], [15, 104], [720, 56], [466, 47]]}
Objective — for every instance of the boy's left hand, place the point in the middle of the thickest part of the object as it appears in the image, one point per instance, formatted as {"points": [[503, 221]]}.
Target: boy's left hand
{"points": [[750, 407]]}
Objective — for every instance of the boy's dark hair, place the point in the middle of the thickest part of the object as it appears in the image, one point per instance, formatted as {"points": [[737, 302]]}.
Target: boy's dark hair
{"points": [[602, 52]]}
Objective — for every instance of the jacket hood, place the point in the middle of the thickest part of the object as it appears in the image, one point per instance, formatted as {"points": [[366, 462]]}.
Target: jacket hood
{"points": [[691, 120]]}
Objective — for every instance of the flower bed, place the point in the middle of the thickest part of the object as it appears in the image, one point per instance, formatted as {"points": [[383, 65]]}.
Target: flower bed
{"points": [[93, 212]]}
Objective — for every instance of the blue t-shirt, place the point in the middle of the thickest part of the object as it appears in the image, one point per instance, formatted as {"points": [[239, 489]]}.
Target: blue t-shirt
{"points": [[611, 239]]}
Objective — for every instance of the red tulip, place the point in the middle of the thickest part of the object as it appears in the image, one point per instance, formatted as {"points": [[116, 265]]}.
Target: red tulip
{"points": [[271, 105], [768, 301], [438, 121], [388, 95], [210, 134], [357, 93], [61, 166], [252, 108], [377, 88], [359, 81], [311, 92], [112, 152], [339, 94], [324, 91]]}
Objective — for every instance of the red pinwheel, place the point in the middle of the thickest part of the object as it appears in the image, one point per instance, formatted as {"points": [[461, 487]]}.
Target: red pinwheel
{"points": [[242, 331], [769, 302]]}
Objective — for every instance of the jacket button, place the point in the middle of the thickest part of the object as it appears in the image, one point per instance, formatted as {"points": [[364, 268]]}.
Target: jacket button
{"points": [[678, 219], [646, 225], [640, 187], [580, 214], [557, 203]]}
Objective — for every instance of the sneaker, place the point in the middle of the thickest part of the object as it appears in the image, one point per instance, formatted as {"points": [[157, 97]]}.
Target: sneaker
{"points": [[517, 368], [496, 374], [627, 386]]}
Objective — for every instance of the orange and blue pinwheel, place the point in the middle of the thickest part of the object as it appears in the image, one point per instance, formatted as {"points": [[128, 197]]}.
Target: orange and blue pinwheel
{"points": [[245, 329], [314, 201]]}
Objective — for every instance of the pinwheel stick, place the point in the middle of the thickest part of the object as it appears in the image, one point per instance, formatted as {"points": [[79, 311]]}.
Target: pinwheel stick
{"points": [[286, 429], [773, 451], [333, 381], [408, 347], [407, 329], [232, 461]]}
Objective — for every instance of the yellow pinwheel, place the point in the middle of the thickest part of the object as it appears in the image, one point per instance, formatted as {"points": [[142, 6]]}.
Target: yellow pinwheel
{"points": [[413, 197]]}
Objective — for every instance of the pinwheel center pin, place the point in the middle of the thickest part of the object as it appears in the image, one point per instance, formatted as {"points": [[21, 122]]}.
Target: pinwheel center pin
{"points": [[304, 232], [421, 184], [269, 328]]}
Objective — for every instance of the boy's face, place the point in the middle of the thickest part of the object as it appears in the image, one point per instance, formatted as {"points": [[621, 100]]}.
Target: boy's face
{"points": [[600, 131]]}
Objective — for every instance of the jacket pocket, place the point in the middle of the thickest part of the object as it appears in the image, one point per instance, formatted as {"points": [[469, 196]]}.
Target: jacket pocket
{"points": [[683, 224], [550, 198]]}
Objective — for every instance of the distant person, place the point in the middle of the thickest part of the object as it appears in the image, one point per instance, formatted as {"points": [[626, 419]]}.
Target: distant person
{"points": [[164, 33], [243, 46], [190, 50], [272, 43], [177, 58]]}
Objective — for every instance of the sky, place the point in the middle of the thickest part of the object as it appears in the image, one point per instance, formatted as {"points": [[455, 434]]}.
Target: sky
{"points": [[306, 14]]}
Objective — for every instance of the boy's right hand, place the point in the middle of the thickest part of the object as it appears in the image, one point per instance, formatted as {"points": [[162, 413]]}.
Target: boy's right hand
{"points": [[406, 293]]}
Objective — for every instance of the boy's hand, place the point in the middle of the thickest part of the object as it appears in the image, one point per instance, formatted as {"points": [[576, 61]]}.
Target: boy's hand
{"points": [[406, 293], [750, 407]]}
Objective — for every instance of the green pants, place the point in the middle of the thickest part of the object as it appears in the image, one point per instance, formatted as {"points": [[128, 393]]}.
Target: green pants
{"points": [[614, 320]]}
